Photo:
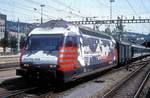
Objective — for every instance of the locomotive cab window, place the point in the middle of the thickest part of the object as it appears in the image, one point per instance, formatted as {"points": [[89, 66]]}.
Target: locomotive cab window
{"points": [[44, 42]]}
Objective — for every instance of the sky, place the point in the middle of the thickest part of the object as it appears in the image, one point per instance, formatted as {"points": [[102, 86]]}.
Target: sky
{"points": [[29, 10]]}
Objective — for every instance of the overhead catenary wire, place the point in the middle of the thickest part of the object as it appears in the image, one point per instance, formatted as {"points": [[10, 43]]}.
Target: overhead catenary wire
{"points": [[27, 8], [146, 10], [132, 8], [56, 9], [21, 13], [24, 14], [22, 6], [100, 3], [144, 7], [116, 10], [19, 6], [69, 7]]}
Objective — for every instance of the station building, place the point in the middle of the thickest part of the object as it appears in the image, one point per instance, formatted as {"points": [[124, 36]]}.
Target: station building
{"points": [[2, 25]]}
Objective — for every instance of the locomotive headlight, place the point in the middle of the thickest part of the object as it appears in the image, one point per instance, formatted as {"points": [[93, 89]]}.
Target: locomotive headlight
{"points": [[52, 66], [55, 66], [26, 65]]}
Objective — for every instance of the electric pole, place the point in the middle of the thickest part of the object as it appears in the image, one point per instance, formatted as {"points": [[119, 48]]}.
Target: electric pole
{"points": [[111, 1], [42, 5], [18, 38]]}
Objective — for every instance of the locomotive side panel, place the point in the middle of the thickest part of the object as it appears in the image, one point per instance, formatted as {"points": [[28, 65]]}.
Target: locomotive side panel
{"points": [[68, 62], [99, 51]]}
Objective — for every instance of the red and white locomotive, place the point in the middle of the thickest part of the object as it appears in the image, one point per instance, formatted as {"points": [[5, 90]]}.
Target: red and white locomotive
{"points": [[60, 51]]}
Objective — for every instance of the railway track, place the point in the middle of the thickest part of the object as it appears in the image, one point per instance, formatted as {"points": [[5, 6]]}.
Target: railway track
{"points": [[33, 92], [137, 94], [21, 89], [58, 95], [9, 88], [17, 93], [130, 86], [48, 93]]}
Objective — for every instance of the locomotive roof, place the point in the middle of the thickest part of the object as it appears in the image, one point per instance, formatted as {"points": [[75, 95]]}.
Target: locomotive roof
{"points": [[55, 23], [64, 25], [89, 31], [55, 26]]}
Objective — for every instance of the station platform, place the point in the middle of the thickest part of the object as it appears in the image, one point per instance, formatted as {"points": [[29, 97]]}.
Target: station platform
{"points": [[7, 61]]}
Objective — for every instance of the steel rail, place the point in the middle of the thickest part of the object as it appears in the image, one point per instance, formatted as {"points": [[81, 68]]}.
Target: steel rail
{"points": [[18, 92], [142, 85], [116, 87]]}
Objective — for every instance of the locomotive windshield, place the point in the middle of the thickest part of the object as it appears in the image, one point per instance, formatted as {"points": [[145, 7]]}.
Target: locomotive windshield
{"points": [[44, 42]]}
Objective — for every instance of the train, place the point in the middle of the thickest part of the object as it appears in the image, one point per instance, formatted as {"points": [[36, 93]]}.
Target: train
{"points": [[58, 51], [129, 52]]}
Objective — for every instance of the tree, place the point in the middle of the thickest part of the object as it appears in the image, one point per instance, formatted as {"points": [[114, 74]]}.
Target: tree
{"points": [[4, 44], [13, 42]]}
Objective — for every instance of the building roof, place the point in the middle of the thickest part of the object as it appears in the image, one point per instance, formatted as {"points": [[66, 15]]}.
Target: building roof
{"points": [[2, 16]]}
